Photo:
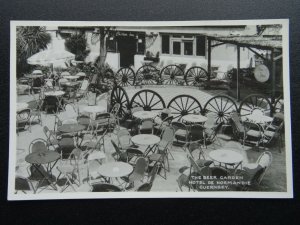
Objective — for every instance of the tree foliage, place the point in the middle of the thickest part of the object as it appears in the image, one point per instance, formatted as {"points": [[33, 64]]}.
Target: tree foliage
{"points": [[77, 44], [30, 40]]}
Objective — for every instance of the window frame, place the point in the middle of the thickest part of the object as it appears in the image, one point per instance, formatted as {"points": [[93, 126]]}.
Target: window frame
{"points": [[183, 39]]}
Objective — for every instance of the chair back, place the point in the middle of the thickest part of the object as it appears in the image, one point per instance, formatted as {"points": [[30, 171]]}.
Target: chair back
{"points": [[84, 120], [146, 187], [236, 122], [168, 134], [196, 133], [22, 184], [23, 115], [38, 145], [124, 138], [265, 159], [211, 120], [146, 126], [103, 187], [140, 166]]}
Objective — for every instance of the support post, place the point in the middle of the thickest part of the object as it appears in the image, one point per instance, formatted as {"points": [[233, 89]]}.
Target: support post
{"points": [[238, 96], [209, 58]]}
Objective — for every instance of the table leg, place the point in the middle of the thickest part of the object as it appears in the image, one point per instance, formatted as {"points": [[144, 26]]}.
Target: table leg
{"points": [[46, 177]]}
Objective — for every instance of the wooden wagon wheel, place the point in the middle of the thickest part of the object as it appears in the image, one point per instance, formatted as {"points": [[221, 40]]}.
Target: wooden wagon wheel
{"points": [[195, 75], [147, 74], [172, 74], [148, 99], [278, 105], [119, 95], [182, 105], [125, 77], [221, 106], [255, 102]]}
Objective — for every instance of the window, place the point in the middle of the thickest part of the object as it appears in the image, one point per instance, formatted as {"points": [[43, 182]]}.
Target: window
{"points": [[200, 43], [141, 44], [110, 44], [184, 44], [165, 40], [188, 48], [176, 48]]}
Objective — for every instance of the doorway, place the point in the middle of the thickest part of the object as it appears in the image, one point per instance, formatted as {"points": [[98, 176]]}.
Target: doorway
{"points": [[127, 50]]}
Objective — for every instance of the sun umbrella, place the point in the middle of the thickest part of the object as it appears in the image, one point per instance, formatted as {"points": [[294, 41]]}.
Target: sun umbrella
{"points": [[50, 56]]}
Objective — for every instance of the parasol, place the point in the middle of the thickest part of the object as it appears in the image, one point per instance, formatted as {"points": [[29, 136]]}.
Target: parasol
{"points": [[50, 56]]}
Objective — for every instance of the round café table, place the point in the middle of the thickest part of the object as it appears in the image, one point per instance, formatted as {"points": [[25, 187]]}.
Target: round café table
{"points": [[37, 159], [193, 118], [145, 114], [226, 157], [34, 76], [21, 106], [93, 110], [148, 140], [115, 170], [54, 93], [260, 119], [71, 78]]}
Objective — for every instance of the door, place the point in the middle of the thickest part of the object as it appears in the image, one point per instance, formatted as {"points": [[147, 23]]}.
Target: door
{"points": [[127, 50]]}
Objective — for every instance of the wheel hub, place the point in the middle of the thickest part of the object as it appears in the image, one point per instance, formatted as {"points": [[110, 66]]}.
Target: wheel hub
{"points": [[147, 108], [148, 76], [220, 114], [184, 112], [124, 79]]}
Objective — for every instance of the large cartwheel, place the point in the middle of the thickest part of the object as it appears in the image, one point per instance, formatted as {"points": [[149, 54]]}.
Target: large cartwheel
{"points": [[147, 74], [119, 95], [172, 74], [148, 99], [182, 105], [221, 106], [255, 102], [195, 76], [125, 77]]}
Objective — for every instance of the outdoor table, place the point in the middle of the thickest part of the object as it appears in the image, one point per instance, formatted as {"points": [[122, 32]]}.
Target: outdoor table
{"points": [[71, 78], [34, 76], [227, 157], [37, 159], [54, 93], [259, 119], [115, 170], [145, 114], [21, 106], [93, 110], [193, 118], [148, 140]]}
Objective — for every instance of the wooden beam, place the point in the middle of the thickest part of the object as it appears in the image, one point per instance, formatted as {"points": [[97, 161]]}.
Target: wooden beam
{"points": [[216, 45], [256, 53]]}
